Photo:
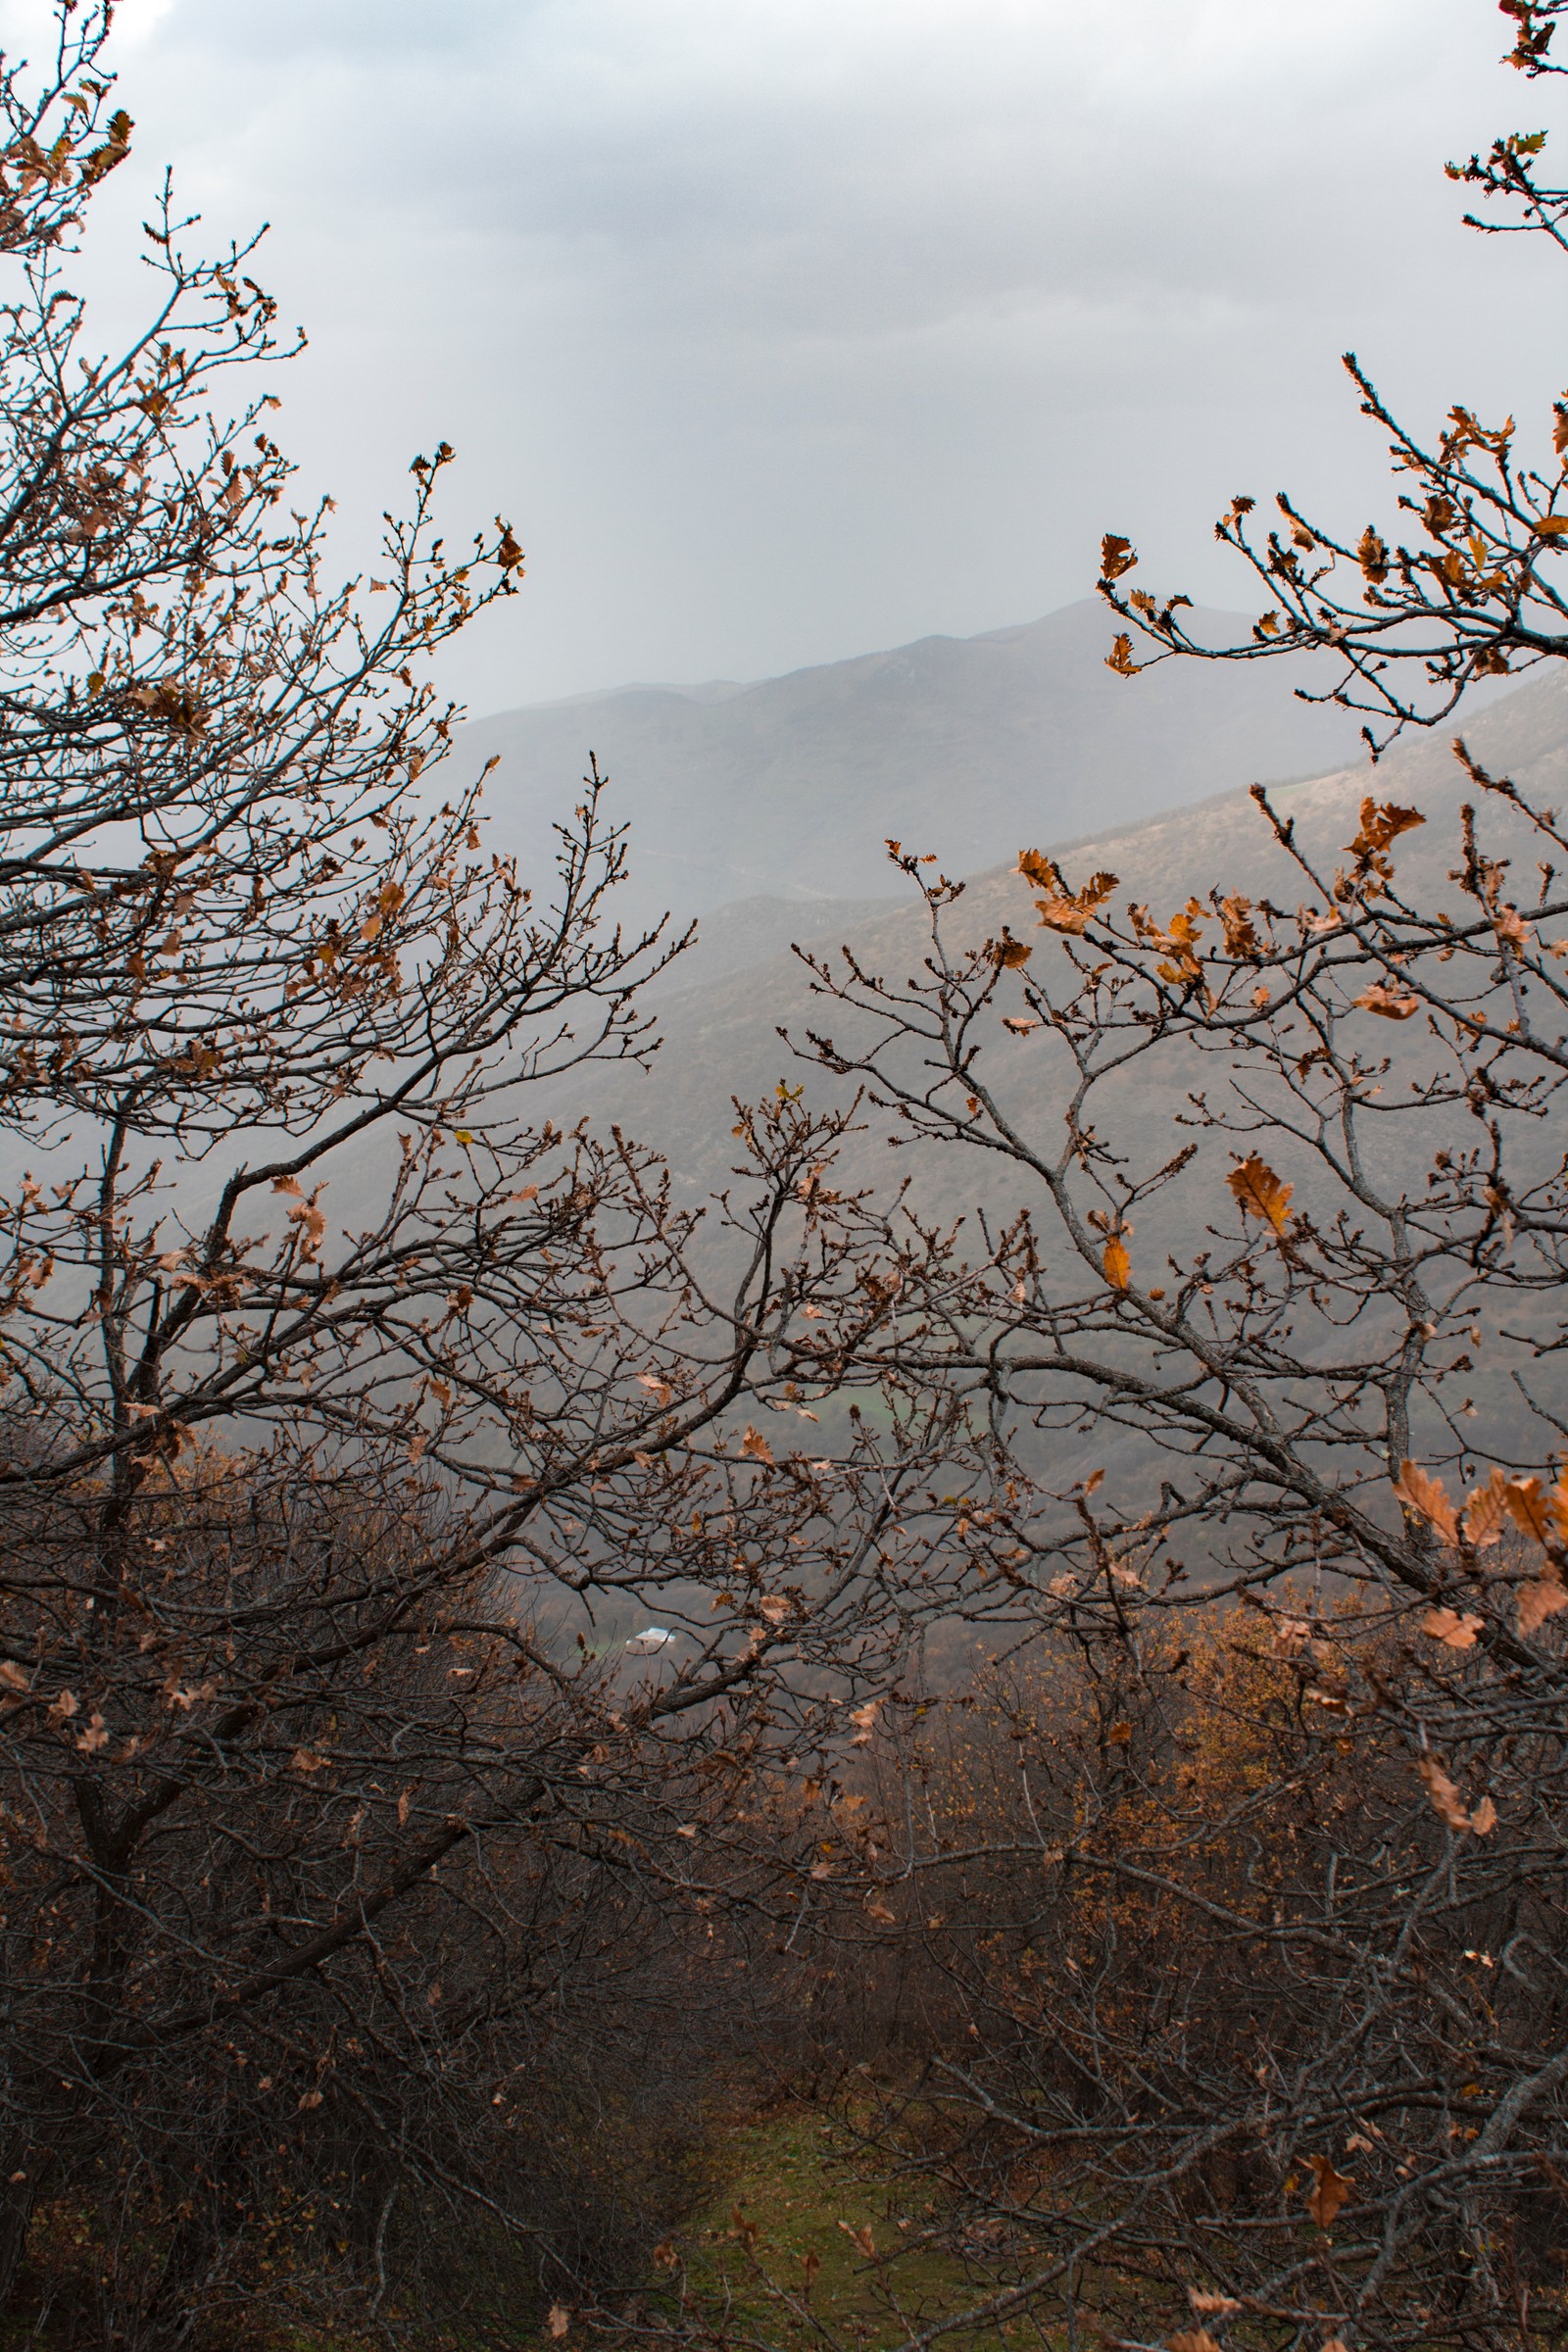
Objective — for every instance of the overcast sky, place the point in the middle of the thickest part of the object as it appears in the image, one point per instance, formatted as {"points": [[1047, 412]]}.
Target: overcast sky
{"points": [[784, 330]]}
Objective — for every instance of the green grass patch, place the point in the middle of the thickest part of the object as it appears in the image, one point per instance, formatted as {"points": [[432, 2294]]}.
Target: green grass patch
{"points": [[795, 2241]]}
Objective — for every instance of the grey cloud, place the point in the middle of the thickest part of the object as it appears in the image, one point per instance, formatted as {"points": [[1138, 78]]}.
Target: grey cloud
{"points": [[792, 329]]}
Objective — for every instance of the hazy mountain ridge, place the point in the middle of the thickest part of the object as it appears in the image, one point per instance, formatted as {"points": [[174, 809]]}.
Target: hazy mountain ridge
{"points": [[719, 1021], [788, 786]]}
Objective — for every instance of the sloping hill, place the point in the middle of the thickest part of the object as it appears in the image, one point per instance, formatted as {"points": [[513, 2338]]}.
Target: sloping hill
{"points": [[789, 786], [720, 1028]]}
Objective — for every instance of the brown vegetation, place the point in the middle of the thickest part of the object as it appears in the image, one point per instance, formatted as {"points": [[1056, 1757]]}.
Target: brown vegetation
{"points": [[383, 1894], [351, 1421]]}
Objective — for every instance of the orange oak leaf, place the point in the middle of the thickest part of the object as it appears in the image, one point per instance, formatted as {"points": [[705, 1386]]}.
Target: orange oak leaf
{"points": [[1484, 1513], [1426, 1499], [1447, 1625], [1330, 2190], [1240, 933], [1448, 1804], [1539, 1599], [1527, 1506], [1065, 909], [1260, 1191], [1395, 1004], [1380, 828]]}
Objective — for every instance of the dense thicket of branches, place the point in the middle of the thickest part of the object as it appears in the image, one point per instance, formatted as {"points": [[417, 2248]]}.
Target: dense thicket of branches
{"points": [[369, 1902], [350, 1421], [1270, 1264], [1246, 1980]]}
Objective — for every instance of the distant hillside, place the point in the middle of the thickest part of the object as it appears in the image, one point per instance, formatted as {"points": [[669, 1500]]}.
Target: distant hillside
{"points": [[720, 1028], [789, 786]]}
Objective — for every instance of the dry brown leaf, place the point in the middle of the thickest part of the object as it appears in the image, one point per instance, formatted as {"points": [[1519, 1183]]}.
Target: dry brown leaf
{"points": [[1395, 1004], [1447, 1625], [1240, 933], [1539, 1599], [860, 2237], [756, 1444], [1527, 1506], [560, 2319], [1443, 1792], [1260, 1191], [1484, 1513], [1448, 1804], [1426, 1499], [1557, 1505], [1063, 914], [1381, 827], [1179, 943], [1117, 1264], [1373, 554], [1195, 2340], [1068, 912], [1220, 2307], [1330, 2190]]}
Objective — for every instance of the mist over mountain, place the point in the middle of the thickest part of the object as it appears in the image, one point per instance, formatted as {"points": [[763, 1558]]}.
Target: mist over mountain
{"points": [[789, 786], [723, 1002]]}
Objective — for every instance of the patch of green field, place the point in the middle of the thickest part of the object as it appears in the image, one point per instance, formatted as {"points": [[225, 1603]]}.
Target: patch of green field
{"points": [[796, 2247]]}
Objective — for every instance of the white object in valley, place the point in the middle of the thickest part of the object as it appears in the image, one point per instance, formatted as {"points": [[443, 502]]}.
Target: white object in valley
{"points": [[651, 1640]]}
